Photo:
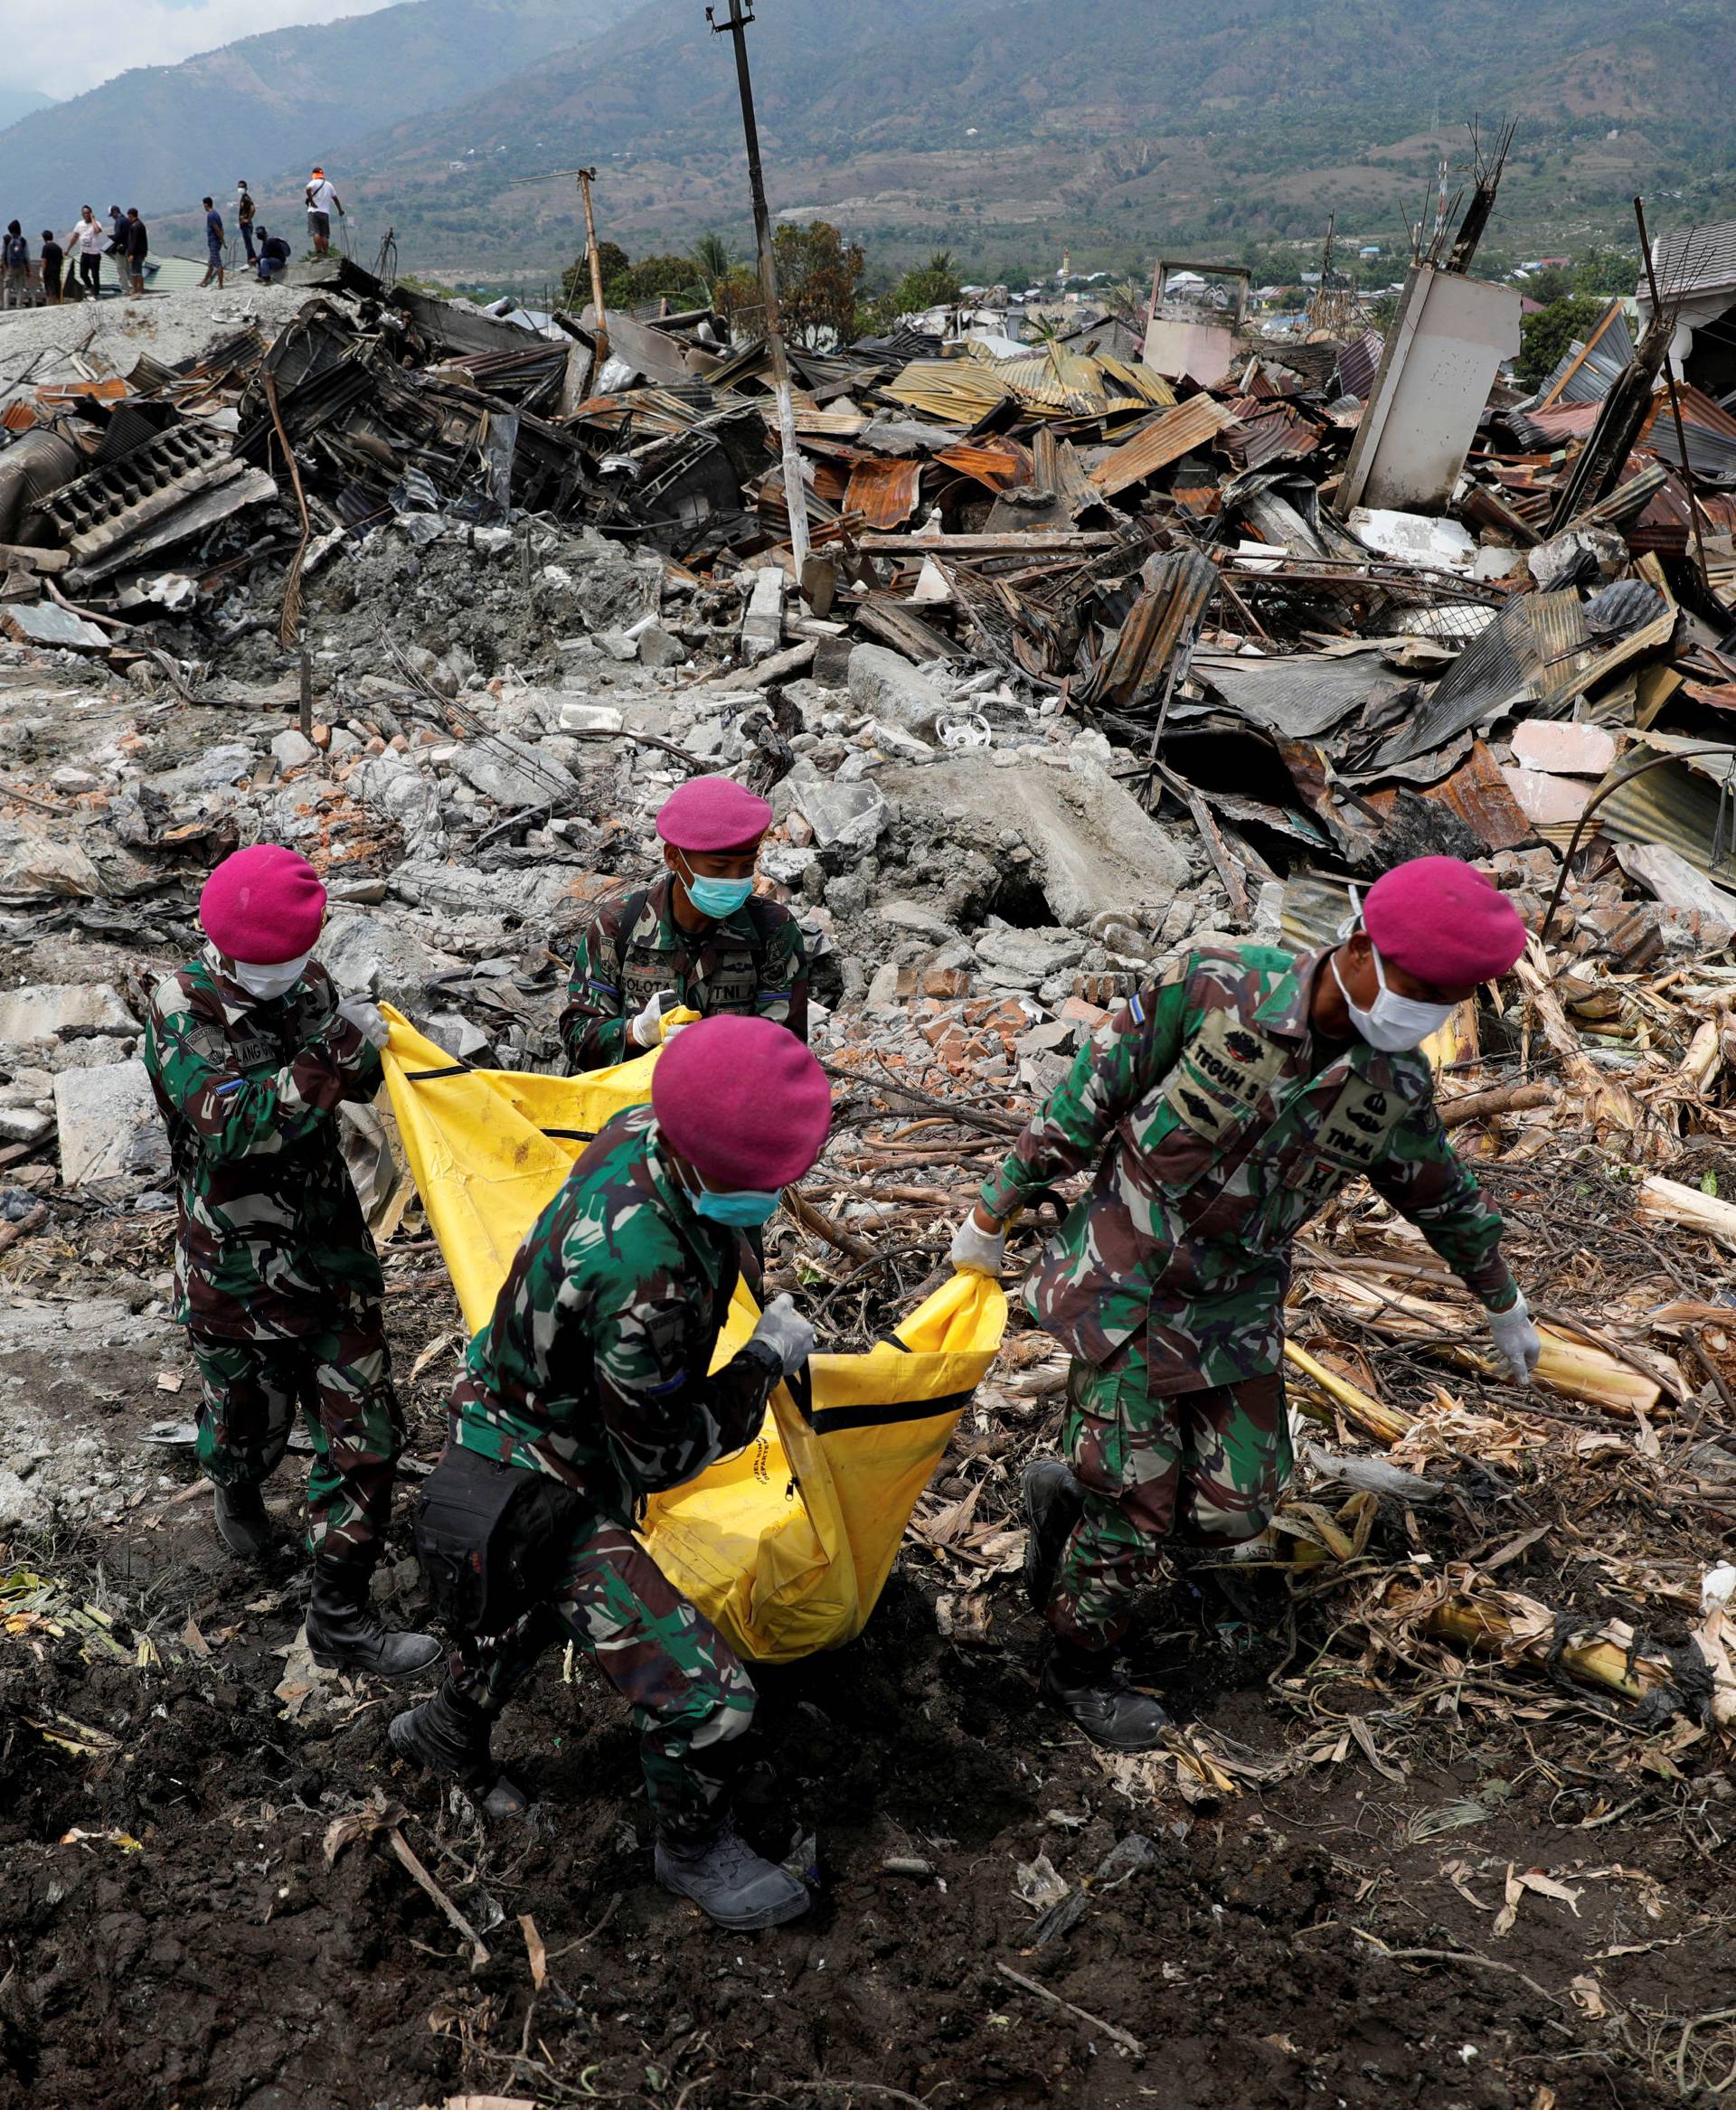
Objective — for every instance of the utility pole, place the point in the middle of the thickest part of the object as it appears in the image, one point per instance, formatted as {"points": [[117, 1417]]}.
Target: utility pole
{"points": [[573, 393], [587, 176], [740, 13]]}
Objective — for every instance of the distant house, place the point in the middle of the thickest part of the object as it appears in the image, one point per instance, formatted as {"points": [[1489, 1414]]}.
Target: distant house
{"points": [[1697, 266]]}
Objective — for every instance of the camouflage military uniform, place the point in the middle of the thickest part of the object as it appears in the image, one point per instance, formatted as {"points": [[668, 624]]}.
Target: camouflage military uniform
{"points": [[754, 961], [277, 1279], [1227, 1126], [593, 1370]]}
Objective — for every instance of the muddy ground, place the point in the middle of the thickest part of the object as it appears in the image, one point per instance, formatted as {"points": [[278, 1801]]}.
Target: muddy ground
{"points": [[172, 1934]]}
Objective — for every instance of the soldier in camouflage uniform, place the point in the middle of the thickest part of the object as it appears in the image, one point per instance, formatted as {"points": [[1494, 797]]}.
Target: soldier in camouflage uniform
{"points": [[700, 937], [250, 1053], [1235, 1098], [591, 1388]]}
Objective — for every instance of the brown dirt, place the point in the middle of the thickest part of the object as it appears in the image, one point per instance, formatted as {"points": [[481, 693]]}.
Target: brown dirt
{"points": [[222, 1965]]}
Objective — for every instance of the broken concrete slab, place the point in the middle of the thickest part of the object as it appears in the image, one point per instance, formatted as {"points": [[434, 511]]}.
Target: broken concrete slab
{"points": [[1093, 848], [884, 684], [293, 750], [110, 1128], [42, 623], [1548, 801], [377, 955], [583, 716], [846, 815], [513, 773], [1562, 748], [51, 1009], [763, 621]]}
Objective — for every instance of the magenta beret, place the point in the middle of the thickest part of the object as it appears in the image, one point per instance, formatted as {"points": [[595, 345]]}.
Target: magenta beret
{"points": [[743, 1102], [713, 813], [1443, 921], [263, 905]]}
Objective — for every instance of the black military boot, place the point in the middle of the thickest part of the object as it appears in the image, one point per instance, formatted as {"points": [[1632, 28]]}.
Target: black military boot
{"points": [[730, 1883], [1054, 1502], [243, 1523], [344, 1632], [1097, 1698], [449, 1735]]}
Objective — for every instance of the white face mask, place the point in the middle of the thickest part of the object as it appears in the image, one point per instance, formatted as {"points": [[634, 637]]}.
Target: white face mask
{"points": [[1394, 1025], [276, 980]]}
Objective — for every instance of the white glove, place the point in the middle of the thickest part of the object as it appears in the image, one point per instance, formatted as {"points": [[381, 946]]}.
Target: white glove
{"points": [[646, 1029], [1517, 1340], [367, 1018], [784, 1331], [977, 1252]]}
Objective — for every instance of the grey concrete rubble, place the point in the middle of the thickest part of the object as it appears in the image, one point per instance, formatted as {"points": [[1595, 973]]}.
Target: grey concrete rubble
{"points": [[1011, 777]]}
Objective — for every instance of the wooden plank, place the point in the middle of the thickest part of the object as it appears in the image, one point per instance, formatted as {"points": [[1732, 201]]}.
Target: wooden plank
{"points": [[1058, 543]]}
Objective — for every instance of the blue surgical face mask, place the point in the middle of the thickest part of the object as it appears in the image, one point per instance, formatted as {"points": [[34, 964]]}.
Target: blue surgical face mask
{"points": [[715, 898], [741, 1209]]}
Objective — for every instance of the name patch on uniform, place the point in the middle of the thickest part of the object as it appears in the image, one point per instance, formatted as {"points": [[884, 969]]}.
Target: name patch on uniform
{"points": [[1227, 1071]]}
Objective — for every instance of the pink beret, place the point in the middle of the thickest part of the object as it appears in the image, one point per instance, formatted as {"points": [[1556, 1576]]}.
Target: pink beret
{"points": [[263, 905], [1443, 921], [743, 1102], [713, 813]]}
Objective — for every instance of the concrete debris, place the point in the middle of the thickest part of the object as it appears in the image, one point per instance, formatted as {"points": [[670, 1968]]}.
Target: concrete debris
{"points": [[1096, 657]]}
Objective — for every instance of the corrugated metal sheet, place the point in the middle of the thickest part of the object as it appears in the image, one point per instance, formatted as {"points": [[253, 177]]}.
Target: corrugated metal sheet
{"points": [[1586, 372], [1358, 362], [1270, 432], [1138, 380], [958, 391], [1002, 465], [1709, 430], [884, 492], [1166, 440], [1676, 804]]}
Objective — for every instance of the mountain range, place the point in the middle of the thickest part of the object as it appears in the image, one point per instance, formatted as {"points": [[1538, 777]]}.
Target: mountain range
{"points": [[1008, 131]]}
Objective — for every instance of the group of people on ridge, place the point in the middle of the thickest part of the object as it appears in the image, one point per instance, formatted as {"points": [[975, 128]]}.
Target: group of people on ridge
{"points": [[71, 268], [1217, 1110]]}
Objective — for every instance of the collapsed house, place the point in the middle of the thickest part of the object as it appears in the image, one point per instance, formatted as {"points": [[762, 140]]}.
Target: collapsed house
{"points": [[1089, 656]]}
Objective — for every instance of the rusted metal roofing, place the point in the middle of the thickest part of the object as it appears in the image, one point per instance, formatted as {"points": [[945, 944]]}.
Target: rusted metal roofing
{"points": [[1268, 432], [1165, 439], [1359, 362], [1002, 465], [884, 492]]}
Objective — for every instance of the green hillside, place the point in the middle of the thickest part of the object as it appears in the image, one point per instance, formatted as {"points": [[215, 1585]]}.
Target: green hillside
{"points": [[1012, 130]]}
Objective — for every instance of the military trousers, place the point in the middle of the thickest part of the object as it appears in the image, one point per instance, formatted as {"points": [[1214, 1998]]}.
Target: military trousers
{"points": [[691, 1697], [340, 1379], [1202, 1468]]}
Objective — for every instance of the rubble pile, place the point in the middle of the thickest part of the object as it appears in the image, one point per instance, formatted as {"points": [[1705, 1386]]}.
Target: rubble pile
{"points": [[1097, 658], [1090, 660]]}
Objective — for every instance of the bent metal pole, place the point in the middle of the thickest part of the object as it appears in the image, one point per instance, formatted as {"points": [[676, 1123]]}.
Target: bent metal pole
{"points": [[795, 497]]}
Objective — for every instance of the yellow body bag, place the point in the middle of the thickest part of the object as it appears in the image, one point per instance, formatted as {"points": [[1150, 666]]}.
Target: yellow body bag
{"points": [[787, 1546]]}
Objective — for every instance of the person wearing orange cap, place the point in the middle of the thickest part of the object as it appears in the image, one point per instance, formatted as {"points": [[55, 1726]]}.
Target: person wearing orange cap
{"points": [[250, 1053], [590, 1387], [1224, 1106], [699, 938]]}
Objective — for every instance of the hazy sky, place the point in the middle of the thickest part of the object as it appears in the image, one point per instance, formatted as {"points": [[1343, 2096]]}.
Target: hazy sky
{"points": [[62, 50]]}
